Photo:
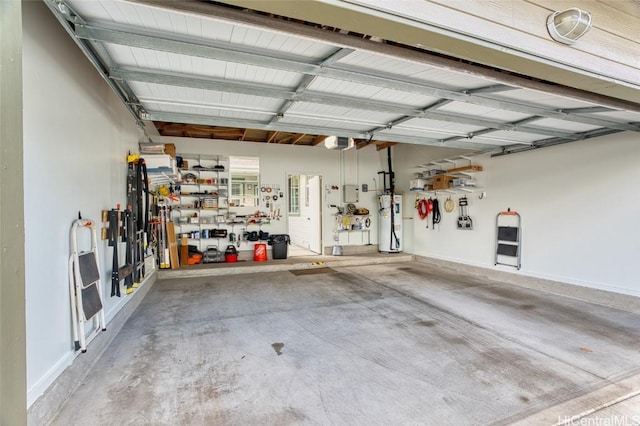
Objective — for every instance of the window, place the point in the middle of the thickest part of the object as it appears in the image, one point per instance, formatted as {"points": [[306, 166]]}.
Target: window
{"points": [[245, 182], [293, 185], [306, 191]]}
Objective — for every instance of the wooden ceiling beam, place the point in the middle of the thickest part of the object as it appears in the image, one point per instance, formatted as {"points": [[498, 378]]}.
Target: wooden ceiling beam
{"points": [[318, 140], [299, 138], [271, 136], [363, 143], [381, 146]]}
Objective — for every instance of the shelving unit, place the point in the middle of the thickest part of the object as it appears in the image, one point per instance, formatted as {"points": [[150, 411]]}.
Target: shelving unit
{"points": [[348, 224], [203, 190], [201, 205], [458, 169]]}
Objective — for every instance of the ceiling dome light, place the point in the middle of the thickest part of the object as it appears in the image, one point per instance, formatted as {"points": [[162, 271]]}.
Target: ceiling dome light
{"points": [[568, 25]]}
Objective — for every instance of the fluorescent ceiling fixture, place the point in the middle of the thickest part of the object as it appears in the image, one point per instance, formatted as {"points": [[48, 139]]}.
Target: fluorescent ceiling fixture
{"points": [[568, 25]]}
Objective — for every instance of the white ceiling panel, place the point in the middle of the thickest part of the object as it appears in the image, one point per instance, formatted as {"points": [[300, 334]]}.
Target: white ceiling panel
{"points": [[386, 64], [531, 97], [374, 117], [208, 112], [175, 23], [154, 103], [483, 111], [364, 91], [427, 124], [335, 123], [412, 132], [187, 94], [346, 88], [621, 116], [507, 137], [132, 57], [563, 126]]}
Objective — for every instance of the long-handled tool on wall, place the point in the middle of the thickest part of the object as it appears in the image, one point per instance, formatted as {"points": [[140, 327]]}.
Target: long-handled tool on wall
{"points": [[119, 222], [138, 204]]}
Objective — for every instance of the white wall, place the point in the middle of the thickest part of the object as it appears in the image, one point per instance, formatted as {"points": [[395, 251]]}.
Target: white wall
{"points": [[406, 158], [352, 167], [579, 209], [76, 137]]}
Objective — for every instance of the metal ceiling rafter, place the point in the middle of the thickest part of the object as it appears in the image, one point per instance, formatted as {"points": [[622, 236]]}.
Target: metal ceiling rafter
{"points": [[424, 57], [552, 142], [297, 128], [211, 50], [390, 81], [308, 79], [230, 52], [333, 100], [491, 125], [209, 83], [587, 110]]}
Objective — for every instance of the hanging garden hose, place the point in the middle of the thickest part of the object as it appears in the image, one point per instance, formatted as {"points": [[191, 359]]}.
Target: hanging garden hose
{"points": [[424, 208]]}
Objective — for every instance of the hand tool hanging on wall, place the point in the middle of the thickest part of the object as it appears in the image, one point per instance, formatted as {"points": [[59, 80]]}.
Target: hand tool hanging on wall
{"points": [[138, 203], [163, 246], [464, 221], [117, 232]]}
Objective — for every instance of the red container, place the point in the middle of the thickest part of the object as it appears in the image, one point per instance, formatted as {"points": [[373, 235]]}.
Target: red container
{"points": [[230, 257], [260, 252]]}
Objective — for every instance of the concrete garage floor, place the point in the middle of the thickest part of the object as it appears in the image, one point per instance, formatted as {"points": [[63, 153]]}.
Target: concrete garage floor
{"points": [[401, 343]]}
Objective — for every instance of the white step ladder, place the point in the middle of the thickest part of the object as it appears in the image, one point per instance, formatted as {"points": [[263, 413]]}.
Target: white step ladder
{"points": [[85, 286]]}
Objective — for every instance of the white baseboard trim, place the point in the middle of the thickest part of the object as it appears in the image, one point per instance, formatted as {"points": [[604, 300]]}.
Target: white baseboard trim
{"points": [[45, 398], [580, 291]]}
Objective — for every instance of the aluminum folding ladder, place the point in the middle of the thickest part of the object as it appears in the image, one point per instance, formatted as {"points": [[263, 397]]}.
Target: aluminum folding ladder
{"points": [[85, 286]]}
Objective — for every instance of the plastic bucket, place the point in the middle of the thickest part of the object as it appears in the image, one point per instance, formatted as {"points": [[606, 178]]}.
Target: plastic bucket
{"points": [[231, 257], [260, 252]]}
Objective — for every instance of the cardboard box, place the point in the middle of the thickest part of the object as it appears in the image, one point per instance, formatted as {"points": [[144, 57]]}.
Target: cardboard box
{"points": [[417, 183], [442, 182], [170, 149], [472, 168]]}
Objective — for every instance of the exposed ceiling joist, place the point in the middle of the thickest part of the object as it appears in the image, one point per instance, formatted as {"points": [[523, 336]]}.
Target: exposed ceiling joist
{"points": [[334, 100], [247, 55], [380, 103]]}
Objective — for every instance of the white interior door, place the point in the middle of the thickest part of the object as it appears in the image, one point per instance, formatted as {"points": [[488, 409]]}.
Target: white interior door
{"points": [[314, 211], [305, 212]]}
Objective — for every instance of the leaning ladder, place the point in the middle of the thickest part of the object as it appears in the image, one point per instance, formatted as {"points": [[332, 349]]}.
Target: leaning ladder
{"points": [[85, 286], [508, 238]]}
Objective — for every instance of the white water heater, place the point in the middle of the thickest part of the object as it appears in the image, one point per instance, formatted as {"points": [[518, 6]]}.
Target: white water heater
{"points": [[390, 224]]}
